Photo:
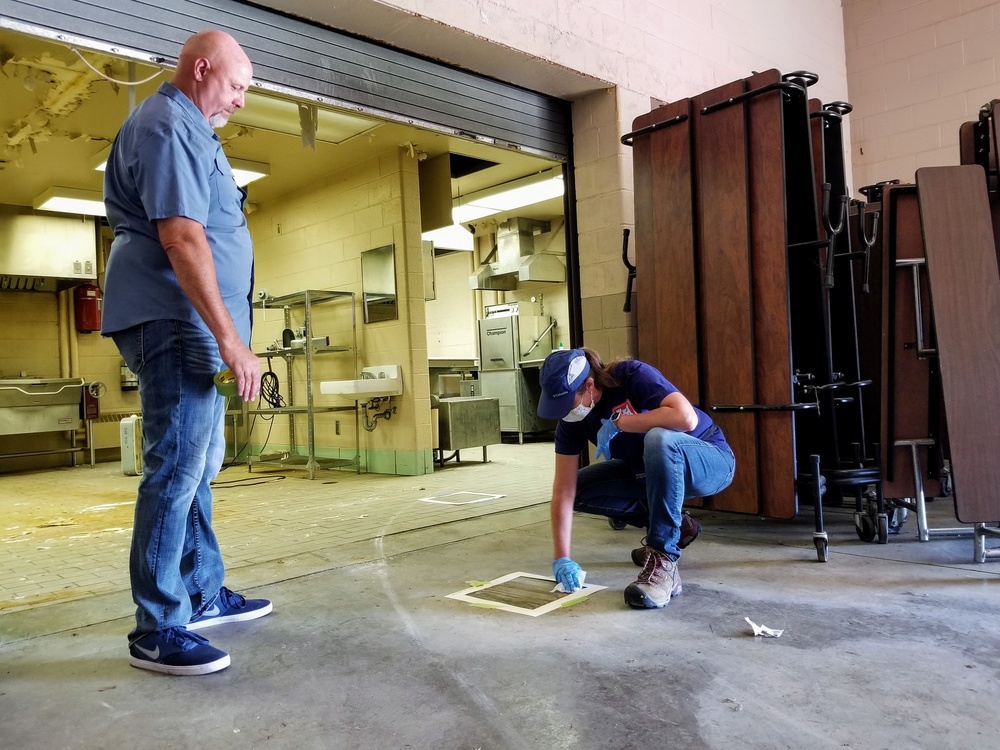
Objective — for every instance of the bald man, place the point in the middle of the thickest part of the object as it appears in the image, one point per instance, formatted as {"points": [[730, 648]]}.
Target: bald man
{"points": [[177, 302]]}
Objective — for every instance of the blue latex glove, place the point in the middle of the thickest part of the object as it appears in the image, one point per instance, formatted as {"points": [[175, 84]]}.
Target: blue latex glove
{"points": [[567, 573], [608, 430]]}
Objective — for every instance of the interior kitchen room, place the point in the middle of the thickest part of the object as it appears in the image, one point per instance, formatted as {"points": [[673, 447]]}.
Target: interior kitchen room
{"points": [[380, 248]]}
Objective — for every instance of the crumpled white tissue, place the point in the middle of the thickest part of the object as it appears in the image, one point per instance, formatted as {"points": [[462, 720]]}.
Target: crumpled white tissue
{"points": [[762, 630], [582, 576]]}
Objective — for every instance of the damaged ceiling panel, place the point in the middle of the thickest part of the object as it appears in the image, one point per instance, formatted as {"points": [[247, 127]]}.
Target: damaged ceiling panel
{"points": [[58, 115], [57, 90]]}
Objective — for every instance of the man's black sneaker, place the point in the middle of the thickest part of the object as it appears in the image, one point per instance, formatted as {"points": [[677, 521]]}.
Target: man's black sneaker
{"points": [[230, 607], [176, 651]]}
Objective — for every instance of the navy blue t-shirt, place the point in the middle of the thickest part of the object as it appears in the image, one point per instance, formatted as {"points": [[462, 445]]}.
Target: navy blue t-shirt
{"points": [[642, 388]]}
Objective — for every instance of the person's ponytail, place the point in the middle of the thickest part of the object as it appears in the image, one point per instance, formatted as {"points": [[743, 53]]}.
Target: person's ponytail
{"points": [[602, 374]]}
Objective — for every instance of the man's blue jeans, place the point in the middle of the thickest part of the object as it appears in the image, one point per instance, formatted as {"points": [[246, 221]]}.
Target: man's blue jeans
{"points": [[678, 467], [175, 563]]}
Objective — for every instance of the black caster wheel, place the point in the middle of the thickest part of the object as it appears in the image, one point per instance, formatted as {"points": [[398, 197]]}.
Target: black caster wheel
{"points": [[865, 527], [882, 521], [947, 488], [617, 525]]}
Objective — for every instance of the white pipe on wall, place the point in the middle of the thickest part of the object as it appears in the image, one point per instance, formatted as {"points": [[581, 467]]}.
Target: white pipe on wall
{"points": [[63, 334], [74, 347]]}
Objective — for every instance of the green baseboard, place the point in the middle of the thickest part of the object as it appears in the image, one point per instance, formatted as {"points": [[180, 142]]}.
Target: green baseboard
{"points": [[396, 463]]}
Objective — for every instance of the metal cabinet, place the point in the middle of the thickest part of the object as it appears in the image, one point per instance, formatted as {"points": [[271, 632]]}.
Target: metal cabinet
{"points": [[467, 422], [512, 348], [298, 313]]}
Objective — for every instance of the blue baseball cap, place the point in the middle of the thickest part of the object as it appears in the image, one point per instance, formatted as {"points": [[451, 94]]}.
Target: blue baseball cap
{"points": [[562, 373]]}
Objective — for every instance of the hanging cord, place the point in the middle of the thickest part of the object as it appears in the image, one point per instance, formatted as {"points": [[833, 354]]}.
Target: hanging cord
{"points": [[268, 392], [106, 77], [269, 388]]}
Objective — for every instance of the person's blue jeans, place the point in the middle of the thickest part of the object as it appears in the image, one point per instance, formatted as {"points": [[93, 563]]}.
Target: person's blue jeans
{"points": [[678, 467], [175, 563]]}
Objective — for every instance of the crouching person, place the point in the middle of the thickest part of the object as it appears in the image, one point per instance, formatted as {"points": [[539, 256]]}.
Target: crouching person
{"points": [[658, 451]]}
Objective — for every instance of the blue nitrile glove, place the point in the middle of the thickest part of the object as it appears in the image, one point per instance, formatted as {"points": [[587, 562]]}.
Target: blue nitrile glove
{"points": [[608, 430], [567, 573]]}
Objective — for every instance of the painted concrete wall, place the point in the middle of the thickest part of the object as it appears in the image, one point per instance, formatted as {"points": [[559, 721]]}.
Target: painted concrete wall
{"points": [[917, 69], [312, 238]]}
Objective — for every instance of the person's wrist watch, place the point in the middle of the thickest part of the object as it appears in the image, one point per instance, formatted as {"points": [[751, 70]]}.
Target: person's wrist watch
{"points": [[615, 417]]}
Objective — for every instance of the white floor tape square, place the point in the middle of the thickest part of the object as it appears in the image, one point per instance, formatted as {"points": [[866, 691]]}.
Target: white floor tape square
{"points": [[523, 593], [459, 498]]}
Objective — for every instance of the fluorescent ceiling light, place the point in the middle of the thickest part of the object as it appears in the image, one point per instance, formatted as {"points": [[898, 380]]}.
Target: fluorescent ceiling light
{"points": [[455, 237], [246, 171], [525, 191], [71, 201]]}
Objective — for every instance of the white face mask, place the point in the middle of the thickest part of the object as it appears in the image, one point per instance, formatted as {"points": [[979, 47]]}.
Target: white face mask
{"points": [[578, 413]]}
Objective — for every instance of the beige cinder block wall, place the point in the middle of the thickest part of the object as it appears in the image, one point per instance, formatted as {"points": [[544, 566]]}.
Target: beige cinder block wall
{"points": [[610, 58], [917, 69], [313, 238], [40, 340]]}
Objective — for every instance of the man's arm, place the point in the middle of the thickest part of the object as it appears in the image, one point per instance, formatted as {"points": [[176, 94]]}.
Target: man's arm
{"points": [[190, 256]]}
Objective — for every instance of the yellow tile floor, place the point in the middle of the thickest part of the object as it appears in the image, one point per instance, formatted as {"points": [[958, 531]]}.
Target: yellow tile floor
{"points": [[65, 533]]}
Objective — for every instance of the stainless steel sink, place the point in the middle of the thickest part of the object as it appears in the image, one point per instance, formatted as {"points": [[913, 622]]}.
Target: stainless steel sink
{"points": [[29, 405]]}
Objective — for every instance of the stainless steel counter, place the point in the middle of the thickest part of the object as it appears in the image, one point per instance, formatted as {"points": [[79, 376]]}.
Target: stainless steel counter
{"points": [[467, 423]]}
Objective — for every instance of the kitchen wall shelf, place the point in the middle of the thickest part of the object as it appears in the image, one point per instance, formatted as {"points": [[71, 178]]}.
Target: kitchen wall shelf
{"points": [[298, 308]]}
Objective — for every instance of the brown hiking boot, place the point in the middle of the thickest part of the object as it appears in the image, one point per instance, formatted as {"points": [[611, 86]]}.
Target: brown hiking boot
{"points": [[657, 582], [690, 528]]}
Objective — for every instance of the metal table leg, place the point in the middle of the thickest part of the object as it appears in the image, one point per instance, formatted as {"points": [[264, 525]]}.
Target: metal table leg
{"points": [[919, 504]]}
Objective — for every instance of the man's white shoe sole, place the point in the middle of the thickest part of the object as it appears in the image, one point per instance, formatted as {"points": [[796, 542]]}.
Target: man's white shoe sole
{"points": [[183, 671]]}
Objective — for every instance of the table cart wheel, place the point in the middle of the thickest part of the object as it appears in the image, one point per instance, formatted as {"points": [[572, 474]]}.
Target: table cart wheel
{"points": [[865, 526], [883, 527], [822, 544]]}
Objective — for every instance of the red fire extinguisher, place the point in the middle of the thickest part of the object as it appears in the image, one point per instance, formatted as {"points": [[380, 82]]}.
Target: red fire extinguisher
{"points": [[87, 306]]}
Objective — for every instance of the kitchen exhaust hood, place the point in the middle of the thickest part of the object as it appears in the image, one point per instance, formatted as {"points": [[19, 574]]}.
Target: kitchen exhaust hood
{"points": [[43, 252], [518, 257]]}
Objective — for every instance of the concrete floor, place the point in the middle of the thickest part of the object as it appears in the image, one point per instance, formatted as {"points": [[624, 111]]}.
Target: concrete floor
{"points": [[884, 646]]}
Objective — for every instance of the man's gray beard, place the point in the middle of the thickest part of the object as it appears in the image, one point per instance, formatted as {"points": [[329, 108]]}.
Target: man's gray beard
{"points": [[218, 120]]}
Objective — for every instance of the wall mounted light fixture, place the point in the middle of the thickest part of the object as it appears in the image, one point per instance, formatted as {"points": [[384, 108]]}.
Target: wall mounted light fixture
{"points": [[525, 191], [509, 196]]}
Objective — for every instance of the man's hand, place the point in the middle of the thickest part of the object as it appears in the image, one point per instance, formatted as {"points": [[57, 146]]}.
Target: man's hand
{"points": [[567, 573], [608, 430], [246, 367]]}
